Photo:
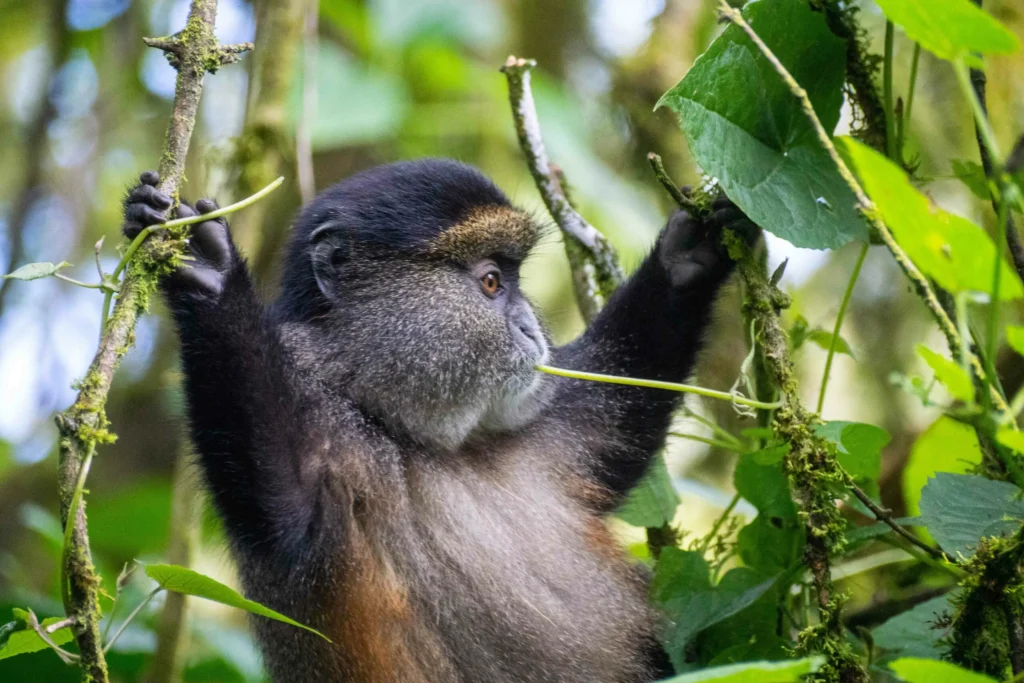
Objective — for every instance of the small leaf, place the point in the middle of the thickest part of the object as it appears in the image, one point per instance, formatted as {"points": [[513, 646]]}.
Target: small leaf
{"points": [[35, 271], [915, 670], [958, 254], [950, 29], [960, 509], [823, 338], [770, 455], [26, 640], [858, 447], [945, 446], [952, 376], [189, 582], [798, 332], [653, 502], [755, 672], [971, 174], [1015, 338]]}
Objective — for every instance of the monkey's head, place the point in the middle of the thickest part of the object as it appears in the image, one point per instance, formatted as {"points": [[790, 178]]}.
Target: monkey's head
{"points": [[407, 278]]}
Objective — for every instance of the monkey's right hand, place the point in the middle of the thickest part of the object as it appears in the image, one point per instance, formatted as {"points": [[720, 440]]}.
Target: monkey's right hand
{"points": [[211, 252]]}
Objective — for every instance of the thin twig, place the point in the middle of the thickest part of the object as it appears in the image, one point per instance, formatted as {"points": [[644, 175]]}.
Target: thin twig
{"points": [[847, 295], [128, 619], [595, 266], [885, 516], [44, 634], [659, 172], [83, 426]]}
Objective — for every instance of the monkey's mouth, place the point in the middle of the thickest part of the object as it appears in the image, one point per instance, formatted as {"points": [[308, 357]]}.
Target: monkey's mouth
{"points": [[531, 343]]}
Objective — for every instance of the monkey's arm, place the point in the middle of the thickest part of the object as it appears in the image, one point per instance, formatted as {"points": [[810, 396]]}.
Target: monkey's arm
{"points": [[651, 328], [247, 417]]}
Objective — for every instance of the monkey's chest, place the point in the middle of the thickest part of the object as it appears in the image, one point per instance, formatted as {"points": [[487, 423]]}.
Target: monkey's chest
{"points": [[507, 580]]}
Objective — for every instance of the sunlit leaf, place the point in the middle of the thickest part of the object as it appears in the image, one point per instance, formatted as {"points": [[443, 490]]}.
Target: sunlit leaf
{"points": [[188, 582], [952, 376], [915, 670], [946, 446], [958, 254], [747, 129], [858, 447], [35, 271], [960, 509], [754, 672], [950, 29], [1015, 338], [1011, 438], [25, 640]]}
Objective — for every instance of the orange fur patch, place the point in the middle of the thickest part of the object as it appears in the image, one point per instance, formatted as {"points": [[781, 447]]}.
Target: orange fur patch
{"points": [[488, 231]]}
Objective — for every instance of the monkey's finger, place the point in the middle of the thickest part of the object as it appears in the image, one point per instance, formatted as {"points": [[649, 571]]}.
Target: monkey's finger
{"points": [[206, 206], [206, 280], [211, 242], [149, 178], [185, 210], [147, 194], [138, 216]]}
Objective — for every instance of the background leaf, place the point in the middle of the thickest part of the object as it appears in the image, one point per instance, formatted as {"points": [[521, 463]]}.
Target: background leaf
{"points": [[35, 271], [755, 672], [653, 502], [26, 640], [950, 29], [913, 633], [932, 671], [747, 129], [953, 250], [951, 375]]}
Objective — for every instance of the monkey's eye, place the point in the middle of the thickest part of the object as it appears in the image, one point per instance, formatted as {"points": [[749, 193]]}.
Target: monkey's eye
{"points": [[490, 283]]}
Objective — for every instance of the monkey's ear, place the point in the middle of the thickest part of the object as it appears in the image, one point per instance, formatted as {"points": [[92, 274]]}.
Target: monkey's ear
{"points": [[328, 251]]}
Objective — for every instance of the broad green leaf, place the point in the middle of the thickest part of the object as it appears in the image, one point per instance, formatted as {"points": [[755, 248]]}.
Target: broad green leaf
{"points": [[950, 29], [913, 633], [188, 582], [952, 376], [747, 129], [26, 640], [1015, 338], [971, 174], [858, 447], [960, 509], [755, 672], [682, 589], [769, 455], [823, 338], [958, 254], [946, 446], [773, 541], [35, 271], [932, 671], [764, 485], [653, 502]]}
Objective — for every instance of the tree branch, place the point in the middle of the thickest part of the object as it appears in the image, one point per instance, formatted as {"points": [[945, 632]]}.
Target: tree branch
{"points": [[83, 426], [595, 267]]}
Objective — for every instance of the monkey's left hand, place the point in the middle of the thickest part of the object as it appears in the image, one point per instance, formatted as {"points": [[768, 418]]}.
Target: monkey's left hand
{"points": [[691, 249], [211, 252]]}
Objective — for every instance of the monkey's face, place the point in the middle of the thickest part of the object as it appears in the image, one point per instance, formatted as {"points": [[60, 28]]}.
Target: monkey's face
{"points": [[440, 348]]}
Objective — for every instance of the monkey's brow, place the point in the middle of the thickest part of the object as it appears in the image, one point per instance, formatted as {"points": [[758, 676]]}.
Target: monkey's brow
{"points": [[486, 231]]}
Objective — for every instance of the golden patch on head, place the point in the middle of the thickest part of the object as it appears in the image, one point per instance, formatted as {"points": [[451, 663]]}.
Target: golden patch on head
{"points": [[487, 231]]}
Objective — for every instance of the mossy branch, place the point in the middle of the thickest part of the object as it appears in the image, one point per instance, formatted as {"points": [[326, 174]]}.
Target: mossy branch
{"points": [[596, 272], [83, 426]]}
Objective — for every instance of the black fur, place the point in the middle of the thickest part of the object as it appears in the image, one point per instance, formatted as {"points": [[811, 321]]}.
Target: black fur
{"points": [[389, 468]]}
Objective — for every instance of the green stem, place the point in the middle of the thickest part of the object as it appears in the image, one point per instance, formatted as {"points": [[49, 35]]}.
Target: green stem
{"points": [[76, 499], [988, 136], [78, 283], [910, 98], [191, 220], [992, 338], [724, 445], [128, 619], [655, 384], [839, 323], [713, 426], [890, 127], [719, 522]]}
